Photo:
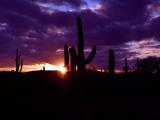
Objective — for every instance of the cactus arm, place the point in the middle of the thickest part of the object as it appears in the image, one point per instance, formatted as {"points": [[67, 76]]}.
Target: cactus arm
{"points": [[91, 56]]}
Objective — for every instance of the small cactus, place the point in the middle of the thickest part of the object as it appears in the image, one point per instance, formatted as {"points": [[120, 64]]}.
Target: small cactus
{"points": [[126, 68], [44, 69], [19, 61], [111, 61]]}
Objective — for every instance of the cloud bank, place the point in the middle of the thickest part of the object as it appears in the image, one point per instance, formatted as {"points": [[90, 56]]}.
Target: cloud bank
{"points": [[40, 27]]}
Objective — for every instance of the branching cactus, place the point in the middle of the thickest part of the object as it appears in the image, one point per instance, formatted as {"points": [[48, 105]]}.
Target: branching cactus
{"points": [[81, 58], [126, 68], [111, 61], [78, 58], [73, 61], [19, 61], [66, 57]]}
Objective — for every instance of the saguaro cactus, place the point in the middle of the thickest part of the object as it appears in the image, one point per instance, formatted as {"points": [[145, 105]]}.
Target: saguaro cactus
{"points": [[125, 66], [78, 58], [111, 62], [19, 61], [66, 57], [81, 59], [73, 62]]}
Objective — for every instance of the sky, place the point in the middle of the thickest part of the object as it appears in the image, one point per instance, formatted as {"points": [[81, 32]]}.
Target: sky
{"points": [[41, 28]]}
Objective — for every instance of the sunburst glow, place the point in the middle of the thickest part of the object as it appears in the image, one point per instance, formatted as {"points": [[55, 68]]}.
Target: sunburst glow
{"points": [[60, 68], [37, 67]]}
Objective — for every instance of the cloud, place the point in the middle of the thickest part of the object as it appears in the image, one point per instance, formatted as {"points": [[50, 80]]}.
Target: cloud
{"points": [[39, 33], [143, 48], [75, 3]]}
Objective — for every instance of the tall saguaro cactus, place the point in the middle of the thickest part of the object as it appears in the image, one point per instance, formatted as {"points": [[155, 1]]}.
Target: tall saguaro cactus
{"points": [[73, 62], [111, 61], [78, 58], [125, 66], [19, 61], [81, 58], [66, 57]]}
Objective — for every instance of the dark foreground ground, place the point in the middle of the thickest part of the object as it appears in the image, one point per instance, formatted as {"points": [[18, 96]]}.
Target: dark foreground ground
{"points": [[96, 96]]}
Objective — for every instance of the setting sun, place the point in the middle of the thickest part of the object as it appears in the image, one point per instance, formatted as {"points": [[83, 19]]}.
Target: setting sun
{"points": [[60, 68]]}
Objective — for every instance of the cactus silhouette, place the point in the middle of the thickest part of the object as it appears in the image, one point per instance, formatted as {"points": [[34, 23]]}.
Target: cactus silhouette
{"points": [[19, 61], [66, 57], [73, 61], [44, 69], [21, 65], [78, 58], [81, 58], [125, 68], [111, 62]]}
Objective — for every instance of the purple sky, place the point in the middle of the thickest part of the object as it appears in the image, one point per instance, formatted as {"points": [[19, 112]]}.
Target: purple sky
{"points": [[40, 29]]}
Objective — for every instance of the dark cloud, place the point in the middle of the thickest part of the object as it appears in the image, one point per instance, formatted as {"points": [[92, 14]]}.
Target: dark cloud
{"points": [[126, 10], [147, 30], [154, 27]]}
